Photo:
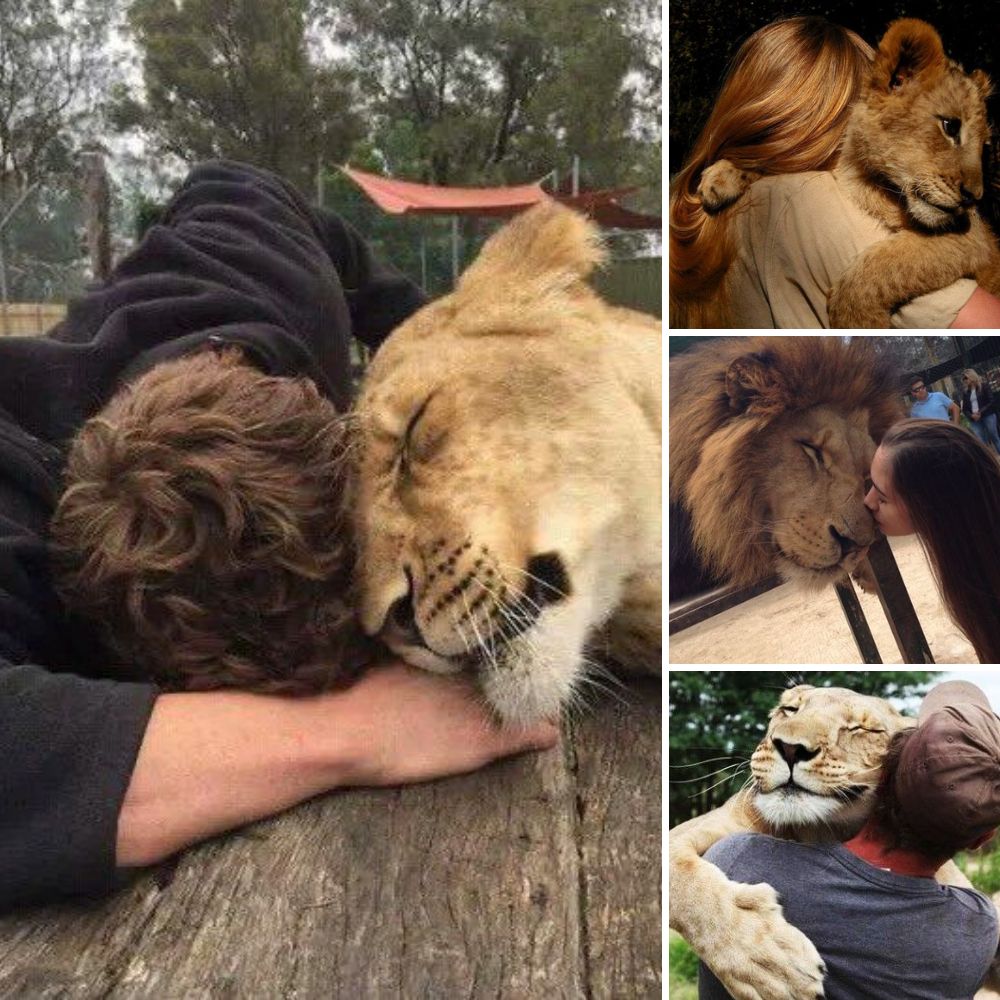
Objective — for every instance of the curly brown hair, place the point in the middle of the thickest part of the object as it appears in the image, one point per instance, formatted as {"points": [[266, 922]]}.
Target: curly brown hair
{"points": [[203, 529]]}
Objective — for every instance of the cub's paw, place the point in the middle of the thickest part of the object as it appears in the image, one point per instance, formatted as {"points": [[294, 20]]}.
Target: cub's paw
{"points": [[722, 183], [850, 308], [766, 958]]}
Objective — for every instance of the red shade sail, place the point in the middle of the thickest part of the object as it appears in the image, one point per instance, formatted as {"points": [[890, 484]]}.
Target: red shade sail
{"points": [[409, 198]]}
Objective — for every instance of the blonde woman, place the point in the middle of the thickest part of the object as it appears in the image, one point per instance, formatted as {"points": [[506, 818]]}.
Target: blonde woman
{"points": [[771, 259], [980, 406]]}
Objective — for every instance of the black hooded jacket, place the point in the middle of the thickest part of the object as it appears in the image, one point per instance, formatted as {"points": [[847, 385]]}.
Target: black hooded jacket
{"points": [[238, 257]]}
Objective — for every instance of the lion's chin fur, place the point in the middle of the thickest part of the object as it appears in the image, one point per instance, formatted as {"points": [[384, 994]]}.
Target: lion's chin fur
{"points": [[812, 816]]}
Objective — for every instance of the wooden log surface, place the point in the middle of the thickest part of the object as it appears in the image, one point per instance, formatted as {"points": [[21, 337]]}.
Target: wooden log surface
{"points": [[537, 877]]}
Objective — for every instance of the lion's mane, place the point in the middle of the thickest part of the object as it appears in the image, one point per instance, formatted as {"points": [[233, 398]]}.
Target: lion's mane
{"points": [[724, 395]]}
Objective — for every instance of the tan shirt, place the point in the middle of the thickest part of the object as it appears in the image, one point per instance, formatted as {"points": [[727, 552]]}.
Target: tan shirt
{"points": [[796, 234]]}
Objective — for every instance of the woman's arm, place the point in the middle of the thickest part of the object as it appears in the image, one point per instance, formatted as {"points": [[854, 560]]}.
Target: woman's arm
{"points": [[981, 312], [213, 761]]}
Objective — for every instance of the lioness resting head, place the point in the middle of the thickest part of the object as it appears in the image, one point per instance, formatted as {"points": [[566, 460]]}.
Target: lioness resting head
{"points": [[814, 776], [912, 159], [509, 485]]}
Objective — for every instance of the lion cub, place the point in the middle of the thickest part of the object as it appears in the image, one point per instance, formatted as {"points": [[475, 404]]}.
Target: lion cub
{"points": [[912, 159]]}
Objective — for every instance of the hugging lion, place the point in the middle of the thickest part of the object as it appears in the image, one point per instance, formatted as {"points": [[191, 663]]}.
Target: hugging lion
{"points": [[911, 159], [508, 508], [814, 778], [771, 439]]}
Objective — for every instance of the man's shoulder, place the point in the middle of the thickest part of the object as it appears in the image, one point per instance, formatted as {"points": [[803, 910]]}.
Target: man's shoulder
{"points": [[941, 397], [755, 845]]}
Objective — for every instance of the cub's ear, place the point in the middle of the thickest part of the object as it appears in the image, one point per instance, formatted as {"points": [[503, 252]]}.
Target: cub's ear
{"points": [[909, 48], [983, 83], [755, 386]]}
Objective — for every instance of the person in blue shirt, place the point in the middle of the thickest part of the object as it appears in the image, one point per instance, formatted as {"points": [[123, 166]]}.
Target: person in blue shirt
{"points": [[932, 405]]}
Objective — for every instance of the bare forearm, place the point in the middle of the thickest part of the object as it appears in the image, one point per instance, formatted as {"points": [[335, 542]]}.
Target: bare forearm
{"points": [[213, 761], [210, 762]]}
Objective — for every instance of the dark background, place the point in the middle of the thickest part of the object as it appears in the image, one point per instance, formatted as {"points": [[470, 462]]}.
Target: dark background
{"points": [[705, 34]]}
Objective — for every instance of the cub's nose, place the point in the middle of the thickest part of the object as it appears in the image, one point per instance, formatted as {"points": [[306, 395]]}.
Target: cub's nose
{"points": [[970, 197]]}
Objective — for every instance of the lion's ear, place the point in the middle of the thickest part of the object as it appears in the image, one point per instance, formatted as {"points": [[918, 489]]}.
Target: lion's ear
{"points": [[908, 49], [755, 386], [983, 83]]}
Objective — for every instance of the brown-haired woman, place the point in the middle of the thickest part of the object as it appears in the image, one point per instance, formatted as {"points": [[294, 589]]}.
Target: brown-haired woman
{"points": [[770, 259], [936, 480]]}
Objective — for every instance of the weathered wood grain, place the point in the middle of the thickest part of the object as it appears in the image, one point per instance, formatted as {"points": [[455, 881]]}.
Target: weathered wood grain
{"points": [[515, 882], [618, 785]]}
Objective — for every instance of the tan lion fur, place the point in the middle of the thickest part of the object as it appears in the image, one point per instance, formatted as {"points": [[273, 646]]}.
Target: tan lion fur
{"points": [[516, 419], [739, 931], [899, 166], [739, 410]]}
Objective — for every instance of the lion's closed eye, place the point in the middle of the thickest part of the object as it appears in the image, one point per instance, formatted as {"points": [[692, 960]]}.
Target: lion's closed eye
{"points": [[423, 437]]}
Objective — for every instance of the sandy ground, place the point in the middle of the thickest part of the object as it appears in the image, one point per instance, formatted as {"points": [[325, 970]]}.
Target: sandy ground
{"points": [[788, 625]]}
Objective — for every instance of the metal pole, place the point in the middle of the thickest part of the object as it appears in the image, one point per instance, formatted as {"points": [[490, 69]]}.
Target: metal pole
{"points": [[454, 251], [423, 256], [4, 316], [855, 616], [576, 176], [319, 180], [896, 604]]}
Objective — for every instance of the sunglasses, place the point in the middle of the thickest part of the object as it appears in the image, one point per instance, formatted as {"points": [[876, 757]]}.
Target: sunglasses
{"points": [[917, 388]]}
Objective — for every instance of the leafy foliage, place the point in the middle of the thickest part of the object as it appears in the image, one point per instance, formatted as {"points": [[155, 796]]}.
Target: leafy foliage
{"points": [[499, 91], [54, 73], [234, 78], [718, 717]]}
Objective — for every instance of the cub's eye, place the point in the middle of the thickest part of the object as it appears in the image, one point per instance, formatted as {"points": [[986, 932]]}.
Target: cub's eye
{"points": [[814, 452], [788, 709], [951, 127], [863, 729]]}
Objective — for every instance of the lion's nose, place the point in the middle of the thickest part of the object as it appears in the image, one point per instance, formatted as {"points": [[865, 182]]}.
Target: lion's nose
{"points": [[794, 753], [401, 619], [847, 544]]}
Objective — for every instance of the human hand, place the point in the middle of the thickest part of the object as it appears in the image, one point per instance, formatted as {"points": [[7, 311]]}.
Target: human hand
{"points": [[975, 416], [407, 725]]}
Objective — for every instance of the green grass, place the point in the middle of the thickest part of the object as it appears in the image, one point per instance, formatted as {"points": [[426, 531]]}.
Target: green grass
{"points": [[982, 867], [683, 969]]}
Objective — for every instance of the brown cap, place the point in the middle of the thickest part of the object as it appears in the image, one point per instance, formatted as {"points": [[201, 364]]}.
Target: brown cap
{"points": [[948, 778]]}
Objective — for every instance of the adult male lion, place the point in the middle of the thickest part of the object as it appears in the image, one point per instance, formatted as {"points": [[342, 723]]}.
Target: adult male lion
{"points": [[813, 779], [912, 159], [509, 485], [771, 439]]}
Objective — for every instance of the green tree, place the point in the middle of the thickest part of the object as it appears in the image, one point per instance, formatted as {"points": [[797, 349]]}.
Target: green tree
{"points": [[235, 78], [504, 90], [55, 70], [718, 717]]}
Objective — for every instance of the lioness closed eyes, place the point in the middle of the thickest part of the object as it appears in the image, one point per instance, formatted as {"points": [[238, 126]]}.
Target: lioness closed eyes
{"points": [[509, 482], [911, 159]]}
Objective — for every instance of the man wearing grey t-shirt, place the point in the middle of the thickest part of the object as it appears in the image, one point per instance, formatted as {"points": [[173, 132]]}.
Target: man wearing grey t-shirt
{"points": [[884, 927]]}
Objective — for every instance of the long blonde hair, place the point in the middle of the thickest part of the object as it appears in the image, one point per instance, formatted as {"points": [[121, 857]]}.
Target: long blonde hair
{"points": [[974, 380], [782, 108]]}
